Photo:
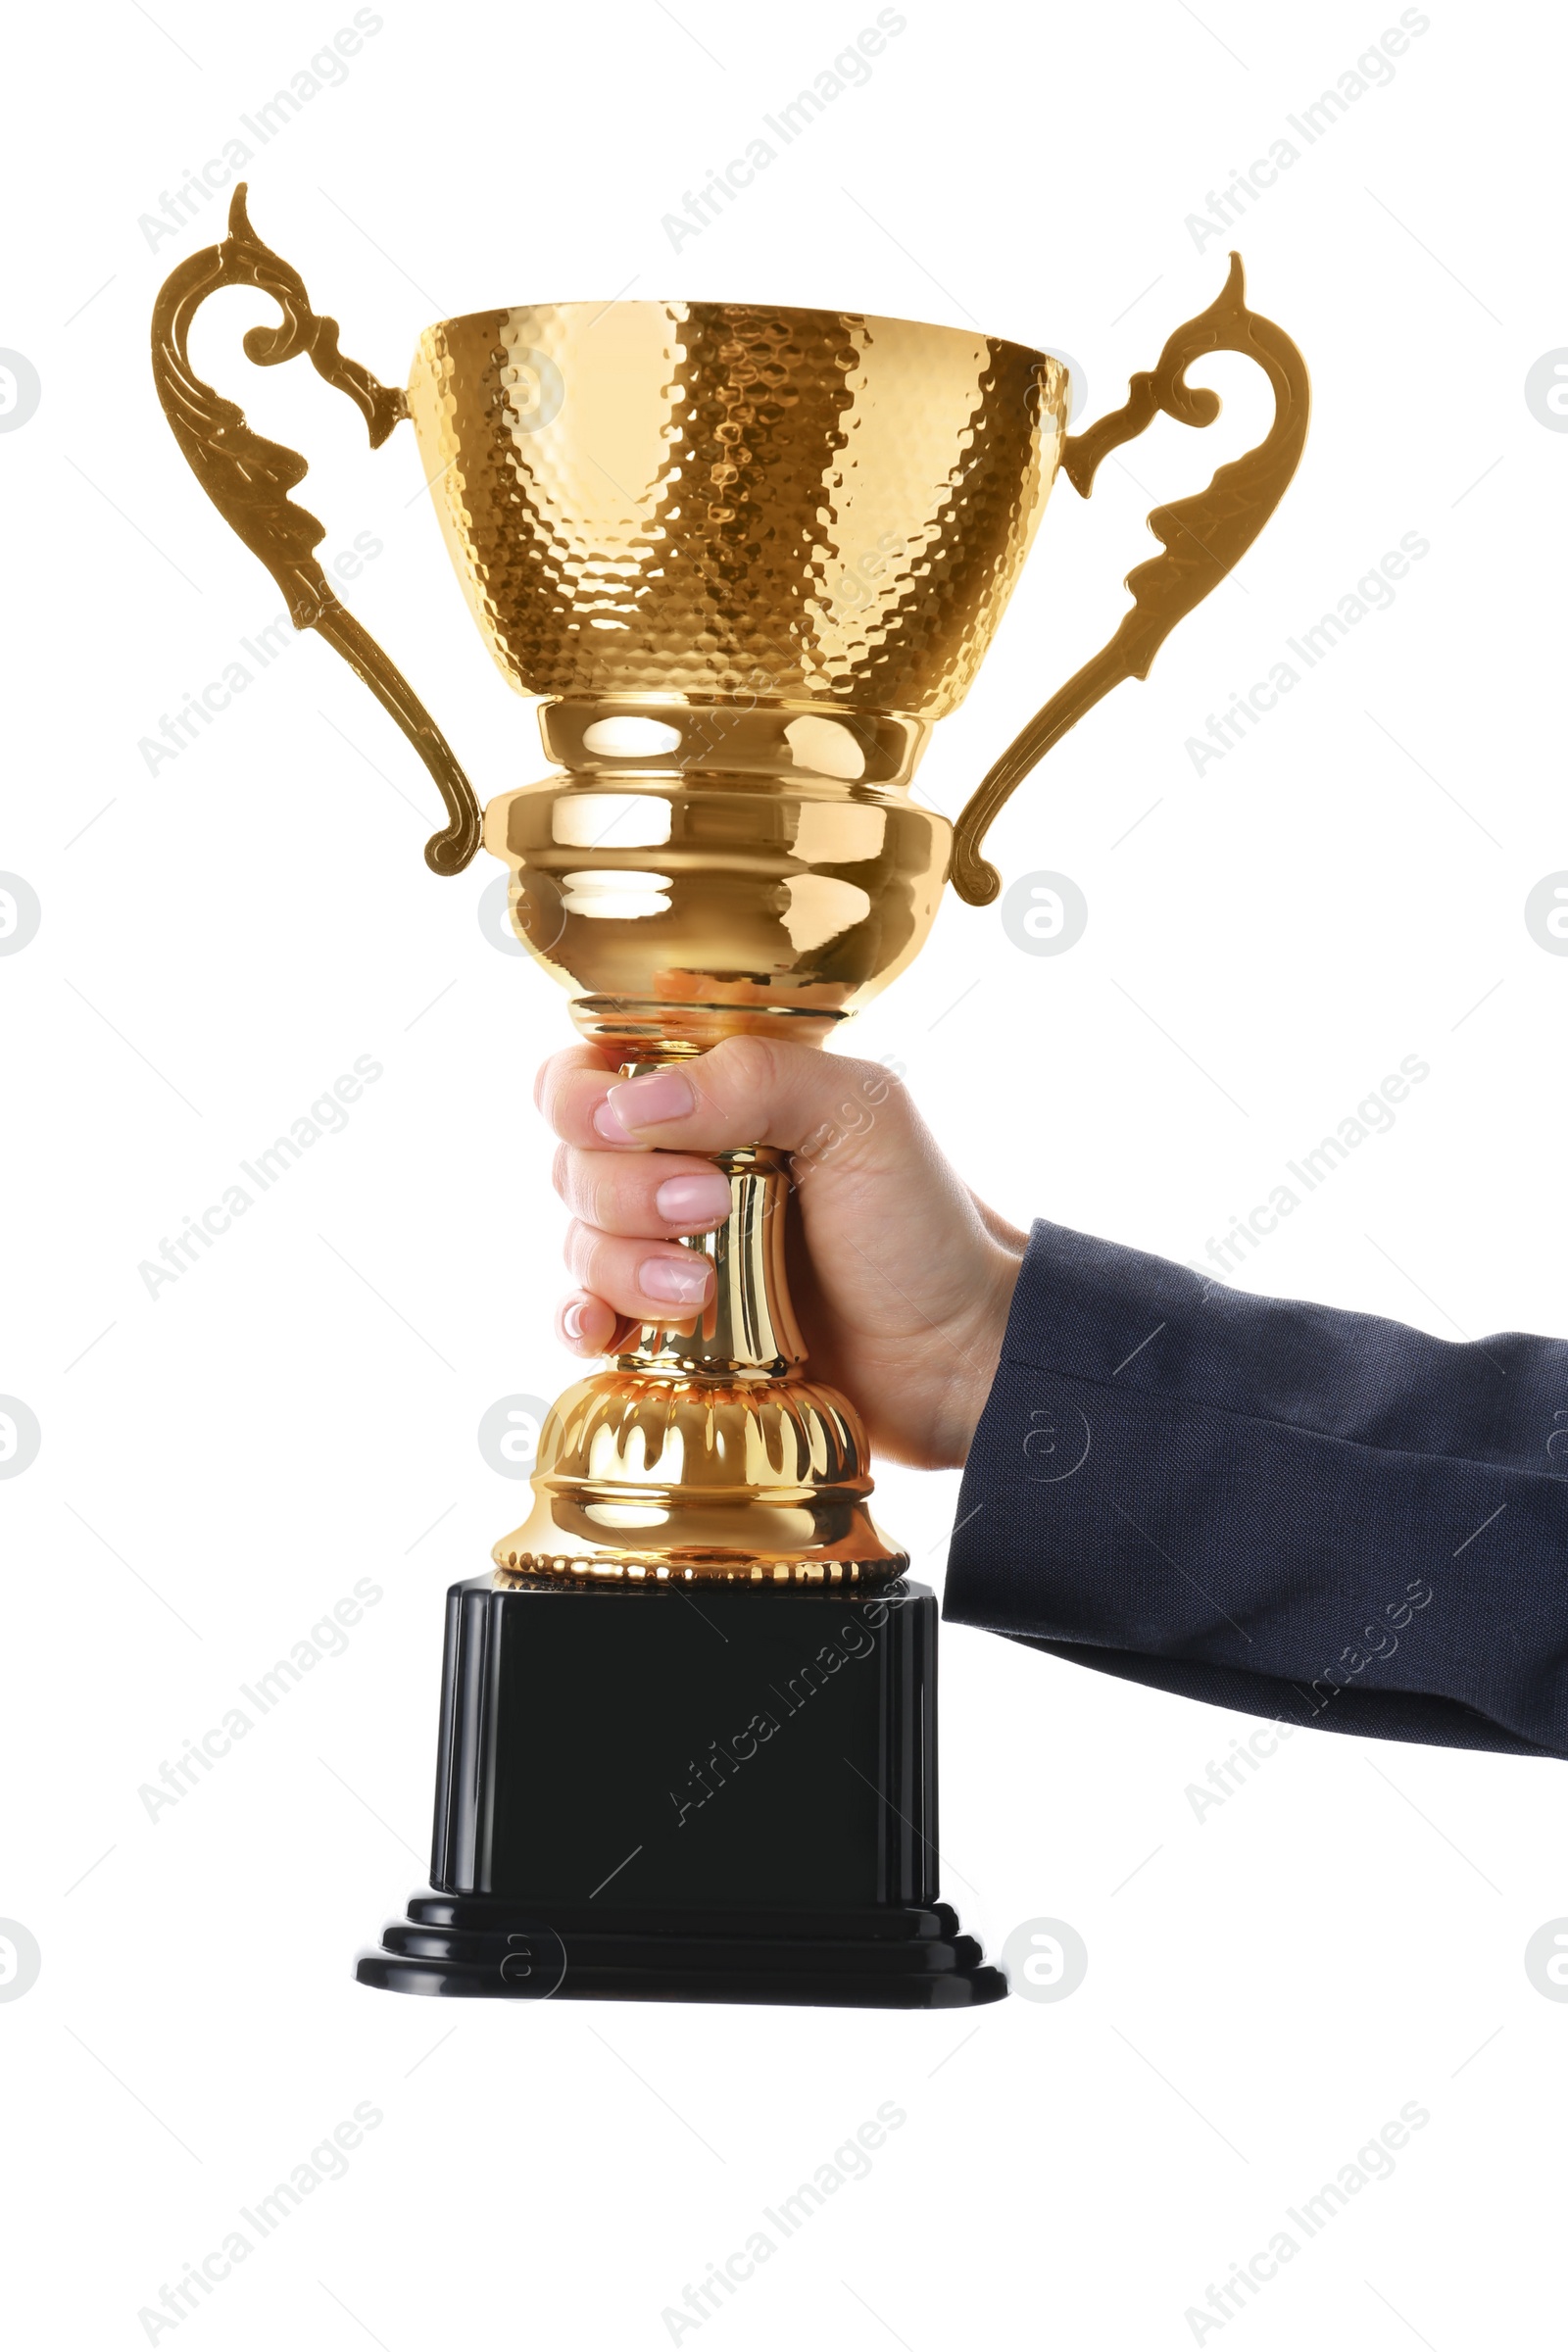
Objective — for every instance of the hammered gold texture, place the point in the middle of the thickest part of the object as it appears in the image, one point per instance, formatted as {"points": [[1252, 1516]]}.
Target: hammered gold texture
{"points": [[727, 499]]}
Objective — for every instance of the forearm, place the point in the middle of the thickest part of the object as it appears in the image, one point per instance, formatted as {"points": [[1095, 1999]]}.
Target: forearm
{"points": [[1270, 1505]]}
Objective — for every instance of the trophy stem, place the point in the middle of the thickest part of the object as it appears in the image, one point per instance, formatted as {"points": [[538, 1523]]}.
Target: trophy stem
{"points": [[707, 1455], [748, 1327], [748, 1330]]}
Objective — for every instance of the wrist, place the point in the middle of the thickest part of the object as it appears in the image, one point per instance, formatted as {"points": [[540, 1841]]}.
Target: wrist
{"points": [[980, 1351]]}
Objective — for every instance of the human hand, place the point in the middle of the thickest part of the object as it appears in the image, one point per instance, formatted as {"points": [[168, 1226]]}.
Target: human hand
{"points": [[901, 1278]]}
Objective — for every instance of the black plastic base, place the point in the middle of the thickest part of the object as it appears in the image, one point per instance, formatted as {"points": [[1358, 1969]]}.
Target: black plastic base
{"points": [[651, 1794], [464, 1948]]}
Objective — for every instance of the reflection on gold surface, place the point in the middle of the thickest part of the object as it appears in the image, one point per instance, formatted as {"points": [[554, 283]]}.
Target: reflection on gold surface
{"points": [[748, 556], [679, 905]]}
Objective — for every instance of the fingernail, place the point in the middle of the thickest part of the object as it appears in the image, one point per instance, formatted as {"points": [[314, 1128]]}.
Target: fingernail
{"points": [[651, 1100], [571, 1320], [681, 1282], [688, 1201], [606, 1123]]}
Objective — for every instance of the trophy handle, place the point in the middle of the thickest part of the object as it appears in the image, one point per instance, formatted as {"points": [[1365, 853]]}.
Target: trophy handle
{"points": [[1202, 536], [248, 480]]}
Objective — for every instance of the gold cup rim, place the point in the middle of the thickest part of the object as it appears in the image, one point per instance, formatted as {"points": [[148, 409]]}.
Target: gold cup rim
{"points": [[680, 307]]}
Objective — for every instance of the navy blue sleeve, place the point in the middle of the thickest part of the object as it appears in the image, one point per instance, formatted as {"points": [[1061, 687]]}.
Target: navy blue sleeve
{"points": [[1318, 1516]]}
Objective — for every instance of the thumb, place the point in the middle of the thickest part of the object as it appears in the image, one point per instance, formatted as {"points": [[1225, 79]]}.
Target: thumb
{"points": [[754, 1090]]}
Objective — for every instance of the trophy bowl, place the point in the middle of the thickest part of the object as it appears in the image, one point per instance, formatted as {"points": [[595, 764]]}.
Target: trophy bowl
{"points": [[749, 554], [726, 501]]}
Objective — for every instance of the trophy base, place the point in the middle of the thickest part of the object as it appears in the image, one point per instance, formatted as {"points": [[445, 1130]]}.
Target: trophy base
{"points": [[485, 1948], [644, 1794]]}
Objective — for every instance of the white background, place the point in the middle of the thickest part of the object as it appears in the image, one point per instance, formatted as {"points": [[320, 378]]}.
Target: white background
{"points": [[220, 940]]}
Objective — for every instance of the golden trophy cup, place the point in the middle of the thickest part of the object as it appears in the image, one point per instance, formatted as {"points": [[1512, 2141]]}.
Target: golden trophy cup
{"points": [[745, 556]]}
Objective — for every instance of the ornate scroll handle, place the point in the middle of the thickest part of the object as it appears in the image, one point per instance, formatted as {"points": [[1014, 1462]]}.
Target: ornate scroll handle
{"points": [[248, 480], [1202, 536]]}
